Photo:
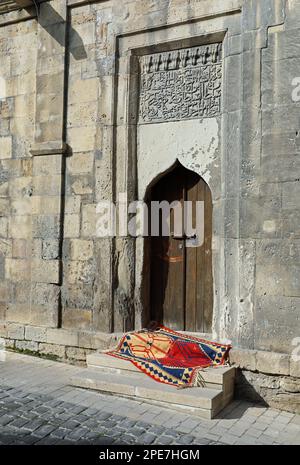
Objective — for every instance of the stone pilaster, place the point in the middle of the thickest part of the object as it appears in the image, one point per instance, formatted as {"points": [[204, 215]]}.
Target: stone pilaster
{"points": [[48, 164]]}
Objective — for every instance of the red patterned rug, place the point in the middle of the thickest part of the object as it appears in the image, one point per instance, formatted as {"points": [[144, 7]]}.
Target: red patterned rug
{"points": [[170, 357]]}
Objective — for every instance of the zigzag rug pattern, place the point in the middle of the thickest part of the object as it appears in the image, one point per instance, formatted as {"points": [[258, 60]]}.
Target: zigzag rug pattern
{"points": [[168, 356]]}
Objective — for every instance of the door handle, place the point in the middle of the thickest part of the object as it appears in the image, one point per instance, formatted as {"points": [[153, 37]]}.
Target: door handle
{"points": [[182, 238]]}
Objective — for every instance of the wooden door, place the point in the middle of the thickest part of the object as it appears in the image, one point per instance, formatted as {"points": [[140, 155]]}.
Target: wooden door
{"points": [[181, 276]]}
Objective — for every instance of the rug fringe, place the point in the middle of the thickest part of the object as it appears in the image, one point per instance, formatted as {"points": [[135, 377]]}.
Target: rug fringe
{"points": [[197, 380]]}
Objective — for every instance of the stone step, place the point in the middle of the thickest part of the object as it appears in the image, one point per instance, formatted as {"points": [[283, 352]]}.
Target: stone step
{"points": [[203, 402], [218, 377]]}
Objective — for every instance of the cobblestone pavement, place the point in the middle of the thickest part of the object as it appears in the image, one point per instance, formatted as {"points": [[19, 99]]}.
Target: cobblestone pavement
{"points": [[37, 406]]}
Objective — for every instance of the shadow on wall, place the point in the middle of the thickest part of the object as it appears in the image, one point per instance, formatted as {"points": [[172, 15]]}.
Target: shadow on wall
{"points": [[246, 391], [54, 24]]}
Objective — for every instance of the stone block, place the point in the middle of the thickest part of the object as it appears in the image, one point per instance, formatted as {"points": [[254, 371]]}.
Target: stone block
{"points": [[50, 250], [4, 207], [35, 333], [245, 359], [6, 108], [18, 313], [62, 336], [15, 331], [280, 119], [76, 319], [282, 257], [4, 189], [276, 316], [233, 92], [294, 368], [259, 217], [86, 90], [4, 291], [280, 169], [261, 14], [99, 341], [290, 226], [36, 248], [102, 291], [80, 272], [275, 76], [5, 147], [20, 227], [6, 247], [45, 271], [48, 84], [9, 344], [81, 249], [281, 143], [50, 64], [20, 187], [20, 248], [2, 267], [84, 113], [21, 207], [46, 226], [81, 163], [78, 296], [290, 195], [21, 292], [45, 205], [283, 46], [3, 227], [74, 353], [51, 187], [82, 185], [52, 349], [3, 329], [72, 204], [272, 363], [255, 39], [4, 127], [287, 402], [292, 11], [17, 269], [45, 294], [107, 98], [43, 315], [47, 165], [31, 346], [71, 225], [3, 310], [291, 385], [88, 227], [82, 139]]}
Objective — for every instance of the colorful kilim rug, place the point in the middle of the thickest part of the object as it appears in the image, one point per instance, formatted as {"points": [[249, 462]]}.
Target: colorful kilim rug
{"points": [[170, 357]]}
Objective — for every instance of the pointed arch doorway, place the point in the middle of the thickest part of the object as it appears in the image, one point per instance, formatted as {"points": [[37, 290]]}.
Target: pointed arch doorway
{"points": [[181, 283]]}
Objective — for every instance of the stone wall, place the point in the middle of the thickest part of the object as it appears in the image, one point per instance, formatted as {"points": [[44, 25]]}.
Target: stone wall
{"points": [[268, 377], [70, 137], [17, 107]]}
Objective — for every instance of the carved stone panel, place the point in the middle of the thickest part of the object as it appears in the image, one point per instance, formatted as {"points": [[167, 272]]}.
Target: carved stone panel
{"points": [[181, 84]]}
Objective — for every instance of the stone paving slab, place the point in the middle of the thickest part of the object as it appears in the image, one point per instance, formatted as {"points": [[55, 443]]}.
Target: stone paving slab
{"points": [[37, 406]]}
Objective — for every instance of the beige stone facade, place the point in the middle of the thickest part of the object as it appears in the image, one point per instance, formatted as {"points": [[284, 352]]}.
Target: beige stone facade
{"points": [[72, 134]]}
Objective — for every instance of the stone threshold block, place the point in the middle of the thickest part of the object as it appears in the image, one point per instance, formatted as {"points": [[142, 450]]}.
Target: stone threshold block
{"points": [[272, 363]]}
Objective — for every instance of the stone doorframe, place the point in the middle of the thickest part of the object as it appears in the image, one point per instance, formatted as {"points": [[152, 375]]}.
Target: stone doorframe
{"points": [[130, 270]]}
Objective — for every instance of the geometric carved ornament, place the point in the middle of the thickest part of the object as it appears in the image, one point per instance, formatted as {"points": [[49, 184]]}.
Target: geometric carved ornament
{"points": [[181, 84]]}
